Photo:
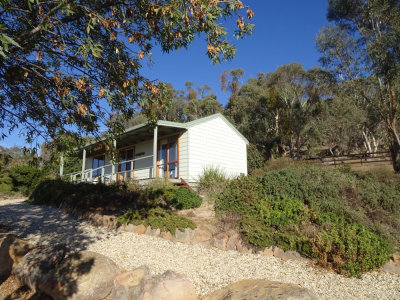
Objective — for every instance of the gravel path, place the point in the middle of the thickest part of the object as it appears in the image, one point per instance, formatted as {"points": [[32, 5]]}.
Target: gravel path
{"points": [[208, 269]]}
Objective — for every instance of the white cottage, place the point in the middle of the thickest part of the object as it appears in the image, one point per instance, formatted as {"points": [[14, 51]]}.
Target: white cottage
{"points": [[183, 151]]}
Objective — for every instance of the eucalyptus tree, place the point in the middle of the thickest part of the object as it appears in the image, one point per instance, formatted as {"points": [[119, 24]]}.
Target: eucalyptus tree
{"points": [[69, 68], [375, 26], [342, 54], [275, 109]]}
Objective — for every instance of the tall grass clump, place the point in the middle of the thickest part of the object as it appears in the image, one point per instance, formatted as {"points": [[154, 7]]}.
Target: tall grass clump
{"points": [[348, 222], [212, 181]]}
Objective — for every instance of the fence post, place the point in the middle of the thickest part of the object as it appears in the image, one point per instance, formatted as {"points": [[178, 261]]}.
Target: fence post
{"points": [[102, 174]]}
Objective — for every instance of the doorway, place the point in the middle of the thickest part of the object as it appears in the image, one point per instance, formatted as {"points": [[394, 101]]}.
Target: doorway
{"points": [[168, 157]]}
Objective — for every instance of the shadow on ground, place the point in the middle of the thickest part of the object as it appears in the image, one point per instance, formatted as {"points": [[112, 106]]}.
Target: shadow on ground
{"points": [[42, 225], [46, 225]]}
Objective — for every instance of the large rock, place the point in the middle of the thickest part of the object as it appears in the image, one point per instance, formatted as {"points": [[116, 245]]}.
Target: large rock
{"points": [[152, 231], [140, 229], [261, 289], [12, 250], [167, 286], [201, 237], [83, 275], [38, 263], [166, 235], [220, 240], [393, 266], [184, 236], [128, 285], [233, 242], [290, 254], [266, 252]]}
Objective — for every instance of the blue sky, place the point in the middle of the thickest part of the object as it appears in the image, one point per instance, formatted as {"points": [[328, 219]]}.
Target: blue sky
{"points": [[285, 32]]}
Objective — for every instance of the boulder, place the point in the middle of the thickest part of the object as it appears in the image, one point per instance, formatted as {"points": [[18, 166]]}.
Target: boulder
{"points": [[201, 237], [166, 235], [152, 232], [233, 241], [393, 266], [220, 240], [109, 221], [266, 252], [12, 251], [130, 227], [261, 289], [128, 285], [184, 236], [167, 286], [38, 263], [140, 229], [290, 254], [83, 275], [242, 248]]}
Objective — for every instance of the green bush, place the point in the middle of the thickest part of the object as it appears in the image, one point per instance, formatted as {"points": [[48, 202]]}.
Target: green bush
{"points": [[132, 216], [26, 177], [255, 159], [6, 185], [185, 199], [167, 220], [212, 181], [157, 196], [158, 217], [345, 221], [85, 196]]}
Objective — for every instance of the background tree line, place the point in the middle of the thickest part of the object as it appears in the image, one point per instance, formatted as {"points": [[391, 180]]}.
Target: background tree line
{"points": [[73, 68], [350, 103]]}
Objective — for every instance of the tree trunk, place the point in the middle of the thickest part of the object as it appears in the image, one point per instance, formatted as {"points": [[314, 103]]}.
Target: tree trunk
{"points": [[394, 144], [395, 153]]}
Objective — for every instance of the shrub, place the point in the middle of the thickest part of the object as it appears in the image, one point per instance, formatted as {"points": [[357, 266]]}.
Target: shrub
{"points": [[345, 221], [158, 217], [85, 196], [26, 177], [157, 196], [167, 220], [5, 183], [132, 216], [255, 159], [212, 181], [185, 199]]}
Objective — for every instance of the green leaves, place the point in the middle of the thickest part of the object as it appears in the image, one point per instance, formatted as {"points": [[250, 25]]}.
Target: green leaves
{"points": [[5, 41]]}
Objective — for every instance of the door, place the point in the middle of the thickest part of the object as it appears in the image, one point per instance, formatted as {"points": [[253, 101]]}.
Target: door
{"points": [[168, 158], [97, 164], [127, 165]]}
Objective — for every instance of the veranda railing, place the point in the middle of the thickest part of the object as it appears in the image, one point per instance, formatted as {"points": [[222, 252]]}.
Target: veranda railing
{"points": [[109, 172]]}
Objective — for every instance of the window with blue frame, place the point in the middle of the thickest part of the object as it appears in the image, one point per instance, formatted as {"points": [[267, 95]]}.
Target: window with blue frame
{"points": [[97, 163]]}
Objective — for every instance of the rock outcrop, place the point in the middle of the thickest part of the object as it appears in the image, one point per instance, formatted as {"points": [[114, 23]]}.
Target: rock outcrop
{"points": [[83, 275], [261, 289], [167, 286], [12, 251]]}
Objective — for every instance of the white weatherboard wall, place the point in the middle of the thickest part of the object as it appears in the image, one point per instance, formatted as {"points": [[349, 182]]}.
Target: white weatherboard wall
{"points": [[215, 144]]}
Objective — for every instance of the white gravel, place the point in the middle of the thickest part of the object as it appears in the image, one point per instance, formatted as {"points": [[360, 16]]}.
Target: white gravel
{"points": [[208, 269]]}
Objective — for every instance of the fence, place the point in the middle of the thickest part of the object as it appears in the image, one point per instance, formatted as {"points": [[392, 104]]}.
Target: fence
{"points": [[382, 157]]}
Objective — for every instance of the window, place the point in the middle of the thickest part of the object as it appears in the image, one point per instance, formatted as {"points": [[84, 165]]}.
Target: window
{"points": [[167, 161], [97, 163]]}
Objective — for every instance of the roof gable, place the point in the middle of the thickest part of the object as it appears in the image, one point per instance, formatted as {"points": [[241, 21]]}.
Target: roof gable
{"points": [[216, 116]]}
